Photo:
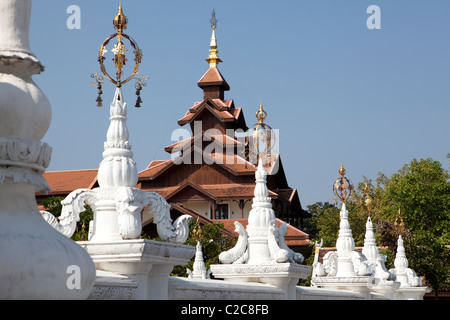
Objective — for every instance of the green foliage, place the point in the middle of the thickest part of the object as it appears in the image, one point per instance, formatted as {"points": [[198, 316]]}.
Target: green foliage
{"points": [[325, 217], [53, 205], [421, 190]]}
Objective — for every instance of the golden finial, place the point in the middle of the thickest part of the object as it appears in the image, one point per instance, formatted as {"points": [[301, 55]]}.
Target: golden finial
{"points": [[400, 224], [342, 171], [368, 200], [342, 187], [262, 136], [213, 58], [120, 23], [197, 232], [261, 115]]}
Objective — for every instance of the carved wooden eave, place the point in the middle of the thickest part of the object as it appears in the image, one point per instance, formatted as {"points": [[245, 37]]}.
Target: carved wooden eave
{"points": [[223, 112]]}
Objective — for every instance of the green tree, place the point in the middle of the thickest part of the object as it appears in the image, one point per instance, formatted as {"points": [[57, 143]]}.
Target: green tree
{"points": [[324, 222], [421, 190]]}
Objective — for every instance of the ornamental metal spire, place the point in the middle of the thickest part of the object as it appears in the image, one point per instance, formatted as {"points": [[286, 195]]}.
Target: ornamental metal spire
{"points": [[263, 136], [368, 200], [213, 58], [342, 187], [213, 20], [120, 60]]}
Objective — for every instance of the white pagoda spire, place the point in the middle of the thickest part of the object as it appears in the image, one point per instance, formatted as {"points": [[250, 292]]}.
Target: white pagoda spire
{"points": [[199, 269], [117, 203], [370, 249], [406, 276]]}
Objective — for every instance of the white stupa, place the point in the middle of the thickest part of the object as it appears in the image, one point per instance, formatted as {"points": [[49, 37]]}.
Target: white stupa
{"points": [[261, 254]]}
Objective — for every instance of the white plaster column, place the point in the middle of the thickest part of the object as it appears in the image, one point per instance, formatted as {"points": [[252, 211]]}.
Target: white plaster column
{"points": [[36, 261]]}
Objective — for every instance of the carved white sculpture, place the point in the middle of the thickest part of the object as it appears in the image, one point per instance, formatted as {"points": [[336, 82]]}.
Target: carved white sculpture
{"points": [[35, 258], [294, 257], [406, 276], [263, 242], [238, 254], [117, 204]]}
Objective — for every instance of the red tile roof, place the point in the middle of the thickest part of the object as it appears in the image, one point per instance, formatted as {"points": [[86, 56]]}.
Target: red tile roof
{"points": [[64, 182], [213, 77]]}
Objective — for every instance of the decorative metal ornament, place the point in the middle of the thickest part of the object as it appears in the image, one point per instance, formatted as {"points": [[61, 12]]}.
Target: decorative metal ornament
{"points": [[400, 225], [198, 233], [368, 200], [263, 138], [342, 187], [213, 20], [120, 60]]}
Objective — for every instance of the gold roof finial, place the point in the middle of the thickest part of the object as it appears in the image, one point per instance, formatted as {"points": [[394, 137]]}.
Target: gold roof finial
{"points": [[213, 58], [120, 23], [342, 187]]}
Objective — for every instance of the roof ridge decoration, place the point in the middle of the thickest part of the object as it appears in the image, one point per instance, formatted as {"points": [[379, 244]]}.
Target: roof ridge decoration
{"points": [[120, 23]]}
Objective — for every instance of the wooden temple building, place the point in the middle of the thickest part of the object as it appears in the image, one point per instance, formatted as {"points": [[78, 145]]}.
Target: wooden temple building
{"points": [[208, 175]]}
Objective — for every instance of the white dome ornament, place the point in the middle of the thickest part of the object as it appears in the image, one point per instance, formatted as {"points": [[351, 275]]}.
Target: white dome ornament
{"points": [[36, 261]]}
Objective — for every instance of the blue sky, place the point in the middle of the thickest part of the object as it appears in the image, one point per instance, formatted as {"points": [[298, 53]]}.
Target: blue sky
{"points": [[337, 91]]}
